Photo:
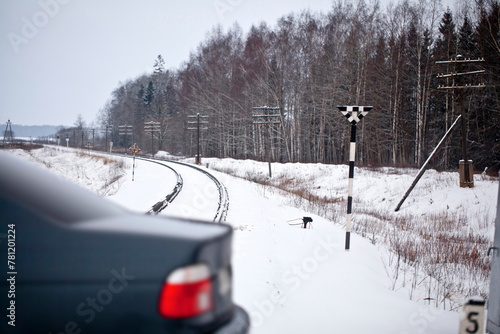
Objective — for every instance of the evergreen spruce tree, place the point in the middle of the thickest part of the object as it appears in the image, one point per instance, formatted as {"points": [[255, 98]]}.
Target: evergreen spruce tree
{"points": [[149, 94], [159, 66], [139, 111], [446, 43], [466, 43]]}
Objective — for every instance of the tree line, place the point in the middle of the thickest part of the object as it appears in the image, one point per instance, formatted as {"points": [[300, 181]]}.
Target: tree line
{"points": [[305, 66]]}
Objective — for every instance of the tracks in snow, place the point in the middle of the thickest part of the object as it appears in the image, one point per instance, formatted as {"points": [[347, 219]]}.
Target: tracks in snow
{"points": [[223, 205], [159, 206]]}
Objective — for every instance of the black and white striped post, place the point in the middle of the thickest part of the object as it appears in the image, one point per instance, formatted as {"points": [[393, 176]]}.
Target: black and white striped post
{"points": [[354, 115]]}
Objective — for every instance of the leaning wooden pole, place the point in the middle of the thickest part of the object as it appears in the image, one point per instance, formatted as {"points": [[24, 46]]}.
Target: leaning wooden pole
{"points": [[424, 166]]}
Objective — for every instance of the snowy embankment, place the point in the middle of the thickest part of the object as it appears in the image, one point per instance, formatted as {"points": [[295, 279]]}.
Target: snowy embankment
{"points": [[100, 174], [434, 248], [293, 280]]}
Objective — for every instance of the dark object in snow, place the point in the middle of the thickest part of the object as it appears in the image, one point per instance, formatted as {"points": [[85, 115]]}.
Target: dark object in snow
{"points": [[305, 221]]}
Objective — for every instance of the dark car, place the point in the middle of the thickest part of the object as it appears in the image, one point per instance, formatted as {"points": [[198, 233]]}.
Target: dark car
{"points": [[73, 262]]}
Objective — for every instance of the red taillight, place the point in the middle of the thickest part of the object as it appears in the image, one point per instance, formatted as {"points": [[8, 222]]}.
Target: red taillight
{"points": [[187, 292]]}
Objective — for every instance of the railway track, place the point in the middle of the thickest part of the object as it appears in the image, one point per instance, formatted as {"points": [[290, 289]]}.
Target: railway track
{"points": [[159, 206], [223, 205], [223, 201], [223, 197]]}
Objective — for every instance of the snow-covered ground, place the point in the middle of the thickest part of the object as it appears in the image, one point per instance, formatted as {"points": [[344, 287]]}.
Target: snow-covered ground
{"points": [[434, 248], [99, 174], [294, 280]]}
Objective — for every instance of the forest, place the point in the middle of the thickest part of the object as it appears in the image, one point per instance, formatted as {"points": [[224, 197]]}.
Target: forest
{"points": [[272, 93]]}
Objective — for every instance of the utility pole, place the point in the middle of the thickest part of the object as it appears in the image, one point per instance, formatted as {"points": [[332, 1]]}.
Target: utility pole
{"points": [[267, 116], [107, 127], [466, 175], [125, 130], [198, 127], [87, 131], [424, 166], [354, 115], [152, 127]]}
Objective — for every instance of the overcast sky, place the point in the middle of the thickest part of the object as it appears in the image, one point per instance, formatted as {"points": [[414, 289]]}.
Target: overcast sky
{"points": [[61, 58]]}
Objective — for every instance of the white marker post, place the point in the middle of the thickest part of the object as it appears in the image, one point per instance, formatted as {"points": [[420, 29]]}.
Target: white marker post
{"points": [[134, 149], [472, 317], [354, 114]]}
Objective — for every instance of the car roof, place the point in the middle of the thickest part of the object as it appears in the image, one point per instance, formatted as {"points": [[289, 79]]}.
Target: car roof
{"points": [[40, 191]]}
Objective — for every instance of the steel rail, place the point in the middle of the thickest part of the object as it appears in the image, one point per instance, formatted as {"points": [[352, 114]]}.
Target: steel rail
{"points": [[223, 206], [162, 204]]}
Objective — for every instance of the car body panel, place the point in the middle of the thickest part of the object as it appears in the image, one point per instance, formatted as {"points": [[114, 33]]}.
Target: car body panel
{"points": [[96, 267]]}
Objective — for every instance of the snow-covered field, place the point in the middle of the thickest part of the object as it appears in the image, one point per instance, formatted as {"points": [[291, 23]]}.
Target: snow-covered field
{"points": [[434, 248], [294, 280]]}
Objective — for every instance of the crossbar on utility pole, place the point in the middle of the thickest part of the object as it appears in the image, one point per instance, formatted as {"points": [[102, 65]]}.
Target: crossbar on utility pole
{"points": [[267, 118], [125, 130], [467, 180], [354, 115], [459, 59], [152, 127], [198, 127]]}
